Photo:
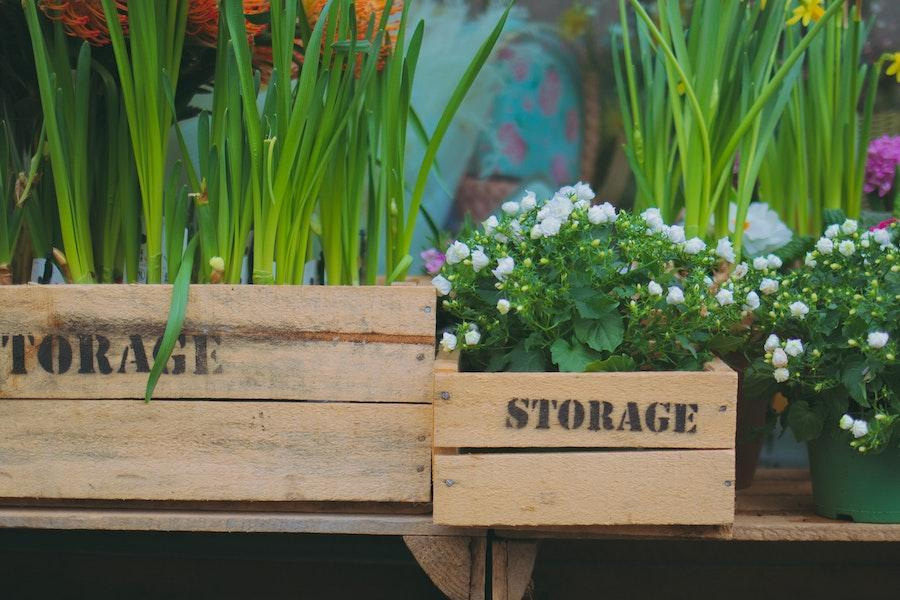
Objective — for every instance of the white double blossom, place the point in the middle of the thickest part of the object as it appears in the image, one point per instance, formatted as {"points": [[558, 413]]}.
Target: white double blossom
{"points": [[676, 235], [781, 374], [825, 245], [479, 259], [799, 309], [694, 246], [550, 226], [847, 248], [774, 262], [779, 358], [877, 339], [654, 220], [725, 297], [859, 428], [456, 253], [511, 208], [473, 336], [793, 347], [490, 224], [602, 213], [504, 268], [846, 422], [654, 288], [810, 260], [584, 192], [503, 306], [725, 250], [529, 202], [850, 226], [772, 342], [768, 286], [675, 295], [536, 232], [882, 237], [751, 301], [832, 231], [740, 271], [760, 263], [448, 342], [442, 285]]}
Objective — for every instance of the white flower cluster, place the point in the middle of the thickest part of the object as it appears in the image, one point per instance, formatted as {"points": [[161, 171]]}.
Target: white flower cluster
{"points": [[779, 353], [675, 233], [858, 427], [449, 342]]}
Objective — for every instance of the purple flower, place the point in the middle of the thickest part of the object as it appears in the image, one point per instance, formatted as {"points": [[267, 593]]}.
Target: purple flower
{"points": [[881, 168], [434, 260]]}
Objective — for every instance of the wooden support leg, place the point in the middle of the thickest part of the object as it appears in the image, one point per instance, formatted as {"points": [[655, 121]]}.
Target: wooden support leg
{"points": [[456, 565], [512, 565]]}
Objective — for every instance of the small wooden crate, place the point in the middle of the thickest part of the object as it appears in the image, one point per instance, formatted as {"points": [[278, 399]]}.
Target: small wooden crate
{"points": [[584, 449], [272, 394]]}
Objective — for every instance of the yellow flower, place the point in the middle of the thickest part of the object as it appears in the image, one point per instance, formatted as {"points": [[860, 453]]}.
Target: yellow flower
{"points": [[809, 10], [894, 67]]}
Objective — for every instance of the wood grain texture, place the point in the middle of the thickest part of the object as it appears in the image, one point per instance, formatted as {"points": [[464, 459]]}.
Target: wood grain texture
{"points": [[585, 410], [206, 451], [456, 565], [363, 344], [667, 487], [513, 564]]}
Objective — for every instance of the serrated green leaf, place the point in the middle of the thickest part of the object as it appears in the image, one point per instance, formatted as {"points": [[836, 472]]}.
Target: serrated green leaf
{"points": [[603, 334], [522, 360], [614, 363], [592, 305], [572, 357]]}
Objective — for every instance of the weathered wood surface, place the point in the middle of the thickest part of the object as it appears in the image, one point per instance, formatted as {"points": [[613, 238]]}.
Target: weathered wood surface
{"points": [[513, 564], [545, 410], [214, 450], [363, 344], [666, 487], [456, 565]]}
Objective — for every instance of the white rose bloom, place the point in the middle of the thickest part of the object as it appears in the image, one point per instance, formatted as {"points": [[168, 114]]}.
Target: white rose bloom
{"points": [[550, 226], [676, 234], [479, 260], [772, 342], [584, 191], [490, 225], [779, 358], [878, 339], [859, 428], [846, 422], [505, 266], [882, 237], [864, 240], [752, 301], [528, 202], [725, 250], [793, 347], [473, 337], [760, 263], [725, 297], [560, 208], [456, 253], [510, 208], [448, 342], [774, 261], [825, 246], [602, 213], [654, 288], [582, 204], [763, 230], [740, 271], [442, 285], [850, 226], [567, 190], [694, 246], [847, 248], [799, 309], [832, 231], [536, 232], [768, 286], [503, 306], [675, 295], [781, 375], [810, 260], [653, 218]]}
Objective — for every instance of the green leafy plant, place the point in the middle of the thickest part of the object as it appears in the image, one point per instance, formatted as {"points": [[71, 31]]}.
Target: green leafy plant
{"points": [[712, 94], [572, 287], [833, 337]]}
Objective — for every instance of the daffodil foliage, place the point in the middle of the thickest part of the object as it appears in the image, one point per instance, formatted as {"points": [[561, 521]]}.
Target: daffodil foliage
{"points": [[833, 337], [569, 286]]}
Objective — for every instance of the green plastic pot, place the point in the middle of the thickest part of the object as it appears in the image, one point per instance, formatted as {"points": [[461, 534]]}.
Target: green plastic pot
{"points": [[849, 485]]}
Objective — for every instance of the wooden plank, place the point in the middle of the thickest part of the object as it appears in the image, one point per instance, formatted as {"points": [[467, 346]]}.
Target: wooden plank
{"points": [[206, 451], [456, 565], [667, 487], [263, 521], [365, 344], [648, 410], [807, 527], [513, 564]]}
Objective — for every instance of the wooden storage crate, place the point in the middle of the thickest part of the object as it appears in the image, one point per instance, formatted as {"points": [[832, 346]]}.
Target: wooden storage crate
{"points": [[272, 394], [584, 449]]}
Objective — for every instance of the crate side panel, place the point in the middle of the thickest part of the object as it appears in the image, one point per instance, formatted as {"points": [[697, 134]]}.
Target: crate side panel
{"points": [[667, 487], [547, 410], [214, 451]]}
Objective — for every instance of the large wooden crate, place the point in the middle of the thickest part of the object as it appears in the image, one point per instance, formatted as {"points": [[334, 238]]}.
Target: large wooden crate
{"points": [[586, 449], [272, 394]]}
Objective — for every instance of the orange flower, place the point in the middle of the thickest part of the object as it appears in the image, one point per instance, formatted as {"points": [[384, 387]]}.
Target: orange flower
{"points": [[84, 18], [203, 19], [365, 9]]}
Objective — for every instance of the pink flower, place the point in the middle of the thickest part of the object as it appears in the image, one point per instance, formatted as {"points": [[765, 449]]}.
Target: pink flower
{"points": [[434, 260], [884, 224], [881, 167]]}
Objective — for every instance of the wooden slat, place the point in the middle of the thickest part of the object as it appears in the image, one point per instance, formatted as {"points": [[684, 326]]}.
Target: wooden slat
{"points": [[206, 451], [668, 487], [545, 410], [257, 342]]}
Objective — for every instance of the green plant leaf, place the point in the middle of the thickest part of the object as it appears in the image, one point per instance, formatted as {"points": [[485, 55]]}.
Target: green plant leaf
{"points": [[177, 309], [603, 334], [805, 422], [592, 305], [572, 357], [523, 360], [614, 363], [853, 377]]}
